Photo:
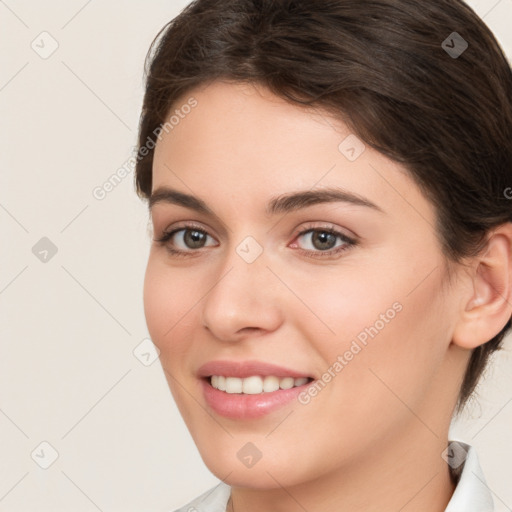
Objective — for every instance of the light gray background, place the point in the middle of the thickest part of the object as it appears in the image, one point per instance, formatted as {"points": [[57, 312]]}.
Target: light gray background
{"points": [[69, 326]]}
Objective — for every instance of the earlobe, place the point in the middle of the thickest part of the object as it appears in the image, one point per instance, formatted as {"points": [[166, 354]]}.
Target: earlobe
{"points": [[489, 305]]}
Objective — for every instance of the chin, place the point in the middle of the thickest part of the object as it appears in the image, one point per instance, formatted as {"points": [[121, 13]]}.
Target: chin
{"points": [[264, 474]]}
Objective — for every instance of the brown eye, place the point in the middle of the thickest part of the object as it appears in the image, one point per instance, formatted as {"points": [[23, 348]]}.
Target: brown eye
{"points": [[186, 240], [194, 239], [322, 242], [321, 239]]}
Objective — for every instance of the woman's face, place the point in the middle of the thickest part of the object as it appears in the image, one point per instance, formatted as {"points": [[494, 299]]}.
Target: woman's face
{"points": [[299, 248]]}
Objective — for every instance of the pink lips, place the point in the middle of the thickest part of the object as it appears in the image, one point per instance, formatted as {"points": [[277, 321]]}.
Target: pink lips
{"points": [[242, 406], [244, 369]]}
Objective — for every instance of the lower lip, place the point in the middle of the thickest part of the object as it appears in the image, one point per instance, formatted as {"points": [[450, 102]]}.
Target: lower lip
{"points": [[242, 406]]}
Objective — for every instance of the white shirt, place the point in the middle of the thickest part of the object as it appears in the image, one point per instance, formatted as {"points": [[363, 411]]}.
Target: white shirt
{"points": [[471, 493]]}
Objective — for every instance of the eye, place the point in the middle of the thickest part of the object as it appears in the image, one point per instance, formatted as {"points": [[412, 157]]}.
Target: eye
{"points": [[185, 239], [322, 242], [316, 242]]}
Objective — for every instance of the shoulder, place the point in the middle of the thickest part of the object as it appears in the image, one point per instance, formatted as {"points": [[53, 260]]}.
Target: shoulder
{"points": [[213, 500]]}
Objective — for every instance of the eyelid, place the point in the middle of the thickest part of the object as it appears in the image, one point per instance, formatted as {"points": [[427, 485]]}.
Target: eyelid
{"points": [[327, 226], [160, 217]]}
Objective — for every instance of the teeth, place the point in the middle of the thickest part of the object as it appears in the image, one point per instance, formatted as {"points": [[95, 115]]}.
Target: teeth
{"points": [[287, 383], [255, 385], [233, 385], [251, 385], [270, 383]]}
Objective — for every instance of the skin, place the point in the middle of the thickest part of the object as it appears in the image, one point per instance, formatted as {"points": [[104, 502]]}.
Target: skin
{"points": [[372, 439]]}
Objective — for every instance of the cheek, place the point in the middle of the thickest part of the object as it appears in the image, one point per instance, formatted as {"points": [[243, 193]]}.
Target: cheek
{"points": [[346, 304], [384, 365], [169, 298], [380, 328], [168, 306]]}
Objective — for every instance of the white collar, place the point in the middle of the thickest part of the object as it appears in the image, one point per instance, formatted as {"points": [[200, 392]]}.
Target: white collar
{"points": [[471, 493]]}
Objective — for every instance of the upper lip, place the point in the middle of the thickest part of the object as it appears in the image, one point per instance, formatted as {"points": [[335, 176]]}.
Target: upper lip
{"points": [[243, 369]]}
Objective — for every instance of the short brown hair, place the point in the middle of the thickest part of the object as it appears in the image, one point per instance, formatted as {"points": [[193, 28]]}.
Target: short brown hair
{"points": [[385, 68]]}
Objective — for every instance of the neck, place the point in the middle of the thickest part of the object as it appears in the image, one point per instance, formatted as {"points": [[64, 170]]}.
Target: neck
{"points": [[406, 474]]}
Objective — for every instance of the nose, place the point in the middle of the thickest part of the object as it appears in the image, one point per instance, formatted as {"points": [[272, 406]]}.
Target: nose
{"points": [[243, 301]]}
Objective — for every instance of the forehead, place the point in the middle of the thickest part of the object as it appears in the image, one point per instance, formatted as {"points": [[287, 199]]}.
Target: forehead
{"points": [[243, 143], [246, 123]]}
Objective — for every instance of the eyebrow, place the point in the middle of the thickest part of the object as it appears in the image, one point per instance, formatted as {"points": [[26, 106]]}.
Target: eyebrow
{"points": [[281, 204]]}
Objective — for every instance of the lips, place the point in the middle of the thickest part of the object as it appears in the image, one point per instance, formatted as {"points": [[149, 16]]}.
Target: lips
{"points": [[244, 406], [244, 369]]}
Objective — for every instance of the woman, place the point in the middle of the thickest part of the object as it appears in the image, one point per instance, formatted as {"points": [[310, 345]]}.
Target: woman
{"points": [[332, 263]]}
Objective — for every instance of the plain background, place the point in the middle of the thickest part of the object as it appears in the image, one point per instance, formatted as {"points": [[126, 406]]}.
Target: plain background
{"points": [[71, 321]]}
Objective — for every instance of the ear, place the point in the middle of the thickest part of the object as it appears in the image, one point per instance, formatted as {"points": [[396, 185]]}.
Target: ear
{"points": [[488, 305]]}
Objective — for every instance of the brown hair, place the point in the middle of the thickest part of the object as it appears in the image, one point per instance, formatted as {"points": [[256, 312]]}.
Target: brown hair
{"points": [[393, 70]]}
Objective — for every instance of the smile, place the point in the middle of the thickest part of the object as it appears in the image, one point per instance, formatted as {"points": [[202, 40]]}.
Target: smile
{"points": [[255, 384], [246, 390]]}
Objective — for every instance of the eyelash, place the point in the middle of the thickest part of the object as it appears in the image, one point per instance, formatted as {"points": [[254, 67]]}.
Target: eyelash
{"points": [[348, 242]]}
